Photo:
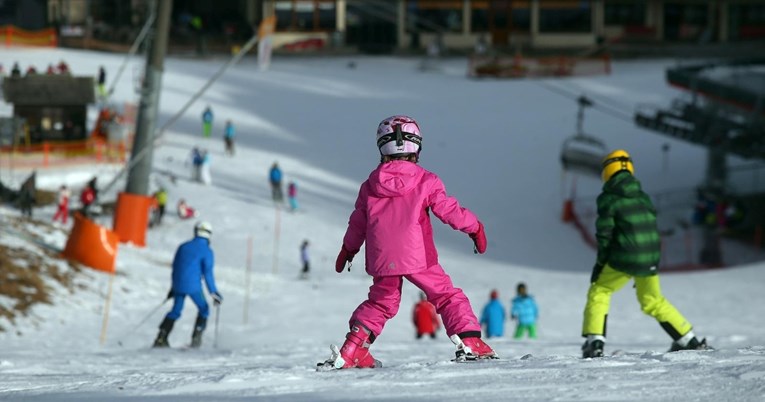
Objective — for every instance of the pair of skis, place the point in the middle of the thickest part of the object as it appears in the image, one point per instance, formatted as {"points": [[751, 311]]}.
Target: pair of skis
{"points": [[463, 355]]}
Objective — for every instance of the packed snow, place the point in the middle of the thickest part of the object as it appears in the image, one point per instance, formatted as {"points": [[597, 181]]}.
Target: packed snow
{"points": [[495, 144]]}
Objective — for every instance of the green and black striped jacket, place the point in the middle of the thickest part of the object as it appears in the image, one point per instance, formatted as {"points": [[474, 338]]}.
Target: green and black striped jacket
{"points": [[628, 239]]}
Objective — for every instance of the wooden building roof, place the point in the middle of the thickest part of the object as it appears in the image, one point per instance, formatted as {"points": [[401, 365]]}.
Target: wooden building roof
{"points": [[49, 90]]}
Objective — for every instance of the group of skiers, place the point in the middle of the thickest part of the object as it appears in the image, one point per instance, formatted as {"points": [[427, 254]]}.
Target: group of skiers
{"points": [[392, 216], [88, 197], [277, 195], [523, 310], [229, 131]]}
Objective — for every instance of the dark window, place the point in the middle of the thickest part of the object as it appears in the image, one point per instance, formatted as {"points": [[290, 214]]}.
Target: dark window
{"points": [[625, 13], [305, 15], [746, 21], [493, 14], [565, 16], [434, 15]]}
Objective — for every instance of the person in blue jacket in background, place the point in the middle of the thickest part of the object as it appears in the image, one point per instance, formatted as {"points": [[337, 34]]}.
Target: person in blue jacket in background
{"points": [[524, 310], [193, 261], [493, 316]]}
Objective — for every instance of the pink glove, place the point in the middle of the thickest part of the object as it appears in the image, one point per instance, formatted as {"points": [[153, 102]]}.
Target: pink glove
{"points": [[479, 239], [344, 256]]}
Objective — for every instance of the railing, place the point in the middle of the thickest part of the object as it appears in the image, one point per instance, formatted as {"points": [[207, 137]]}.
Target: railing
{"points": [[14, 36], [51, 154]]}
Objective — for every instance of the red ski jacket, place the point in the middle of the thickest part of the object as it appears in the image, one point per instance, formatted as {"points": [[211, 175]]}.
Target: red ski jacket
{"points": [[425, 318]]}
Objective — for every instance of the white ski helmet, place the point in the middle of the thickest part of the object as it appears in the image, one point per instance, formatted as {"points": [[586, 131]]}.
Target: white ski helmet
{"points": [[203, 229], [399, 135]]}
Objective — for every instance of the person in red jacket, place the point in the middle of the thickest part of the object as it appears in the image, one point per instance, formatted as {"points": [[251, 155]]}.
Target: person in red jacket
{"points": [[87, 196], [425, 318]]}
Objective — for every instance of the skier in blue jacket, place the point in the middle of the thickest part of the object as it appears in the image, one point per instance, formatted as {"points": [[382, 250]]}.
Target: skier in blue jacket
{"points": [[493, 316], [193, 261], [524, 310]]}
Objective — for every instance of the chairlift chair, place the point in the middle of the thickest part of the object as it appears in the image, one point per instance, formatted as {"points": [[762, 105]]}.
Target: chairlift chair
{"points": [[583, 153]]}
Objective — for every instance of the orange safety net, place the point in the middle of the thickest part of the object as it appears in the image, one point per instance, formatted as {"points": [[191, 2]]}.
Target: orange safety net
{"points": [[14, 36]]}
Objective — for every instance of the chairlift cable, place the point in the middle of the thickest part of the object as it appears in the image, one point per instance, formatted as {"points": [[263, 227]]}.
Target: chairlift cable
{"points": [[158, 133], [134, 48], [602, 107]]}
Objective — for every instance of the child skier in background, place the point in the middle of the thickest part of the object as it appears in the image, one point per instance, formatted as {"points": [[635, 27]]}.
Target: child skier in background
{"points": [[392, 215], [305, 259], [493, 316], [524, 310], [62, 212], [425, 318], [292, 196]]}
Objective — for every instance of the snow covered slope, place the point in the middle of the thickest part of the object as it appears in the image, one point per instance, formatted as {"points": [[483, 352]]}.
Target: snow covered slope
{"points": [[494, 143]]}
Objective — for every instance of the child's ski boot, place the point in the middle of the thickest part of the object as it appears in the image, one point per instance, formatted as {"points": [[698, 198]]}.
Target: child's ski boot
{"points": [[472, 348], [689, 342], [593, 346], [353, 354]]}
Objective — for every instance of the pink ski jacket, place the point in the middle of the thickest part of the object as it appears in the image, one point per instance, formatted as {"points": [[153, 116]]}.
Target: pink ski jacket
{"points": [[392, 216]]}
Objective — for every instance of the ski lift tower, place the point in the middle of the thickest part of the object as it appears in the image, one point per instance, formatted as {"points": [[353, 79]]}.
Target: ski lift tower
{"points": [[725, 114]]}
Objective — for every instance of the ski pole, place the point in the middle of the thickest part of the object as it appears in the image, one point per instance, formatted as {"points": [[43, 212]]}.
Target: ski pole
{"points": [[146, 318], [217, 319]]}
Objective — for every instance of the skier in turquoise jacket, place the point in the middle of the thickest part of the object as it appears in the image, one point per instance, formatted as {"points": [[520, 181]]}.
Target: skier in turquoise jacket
{"points": [[493, 316], [524, 310]]}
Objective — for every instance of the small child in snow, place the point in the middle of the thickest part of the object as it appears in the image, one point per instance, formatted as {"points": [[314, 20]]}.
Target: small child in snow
{"points": [[524, 310], [305, 259], [292, 196], [493, 316], [392, 216]]}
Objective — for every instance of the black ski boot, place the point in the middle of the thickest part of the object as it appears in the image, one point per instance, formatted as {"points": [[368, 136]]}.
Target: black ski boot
{"points": [[693, 344], [199, 327], [164, 332], [593, 346]]}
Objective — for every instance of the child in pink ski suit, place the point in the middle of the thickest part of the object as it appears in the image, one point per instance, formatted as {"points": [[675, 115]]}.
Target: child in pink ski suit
{"points": [[392, 215]]}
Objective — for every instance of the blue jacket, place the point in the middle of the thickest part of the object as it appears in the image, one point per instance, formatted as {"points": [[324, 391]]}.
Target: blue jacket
{"points": [[275, 175], [193, 260], [229, 131], [207, 116], [493, 317], [524, 309]]}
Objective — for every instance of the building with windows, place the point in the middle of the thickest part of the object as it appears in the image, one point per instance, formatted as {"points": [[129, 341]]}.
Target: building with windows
{"points": [[535, 23], [387, 25]]}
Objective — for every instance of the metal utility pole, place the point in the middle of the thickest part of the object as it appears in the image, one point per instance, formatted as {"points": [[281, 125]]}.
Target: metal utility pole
{"points": [[156, 42]]}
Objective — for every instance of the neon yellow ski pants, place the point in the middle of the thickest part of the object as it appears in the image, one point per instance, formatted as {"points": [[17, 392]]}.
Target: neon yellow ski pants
{"points": [[648, 294]]}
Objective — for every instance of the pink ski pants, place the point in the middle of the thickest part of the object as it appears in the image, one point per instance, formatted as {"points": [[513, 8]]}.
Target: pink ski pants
{"points": [[385, 297]]}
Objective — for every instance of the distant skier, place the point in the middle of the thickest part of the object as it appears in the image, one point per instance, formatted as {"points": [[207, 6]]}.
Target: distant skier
{"points": [[185, 211], [204, 168], [392, 215], [524, 310], [207, 122], [228, 137], [425, 318], [196, 164], [305, 259], [629, 248], [160, 196], [275, 179], [493, 316], [62, 206], [193, 262], [292, 196], [87, 198], [102, 81], [27, 196]]}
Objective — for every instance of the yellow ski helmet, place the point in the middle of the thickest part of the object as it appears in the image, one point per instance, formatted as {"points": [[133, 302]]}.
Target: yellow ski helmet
{"points": [[616, 161]]}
